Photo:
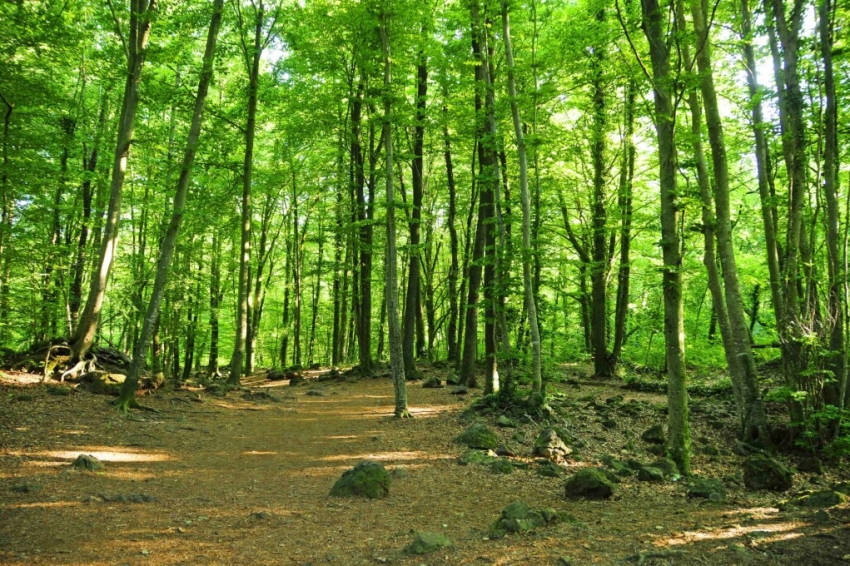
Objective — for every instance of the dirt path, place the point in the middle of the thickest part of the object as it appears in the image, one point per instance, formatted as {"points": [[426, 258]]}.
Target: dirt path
{"points": [[231, 481]]}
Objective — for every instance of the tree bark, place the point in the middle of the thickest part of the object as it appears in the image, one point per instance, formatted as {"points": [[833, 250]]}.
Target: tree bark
{"points": [[252, 66], [624, 201], [128, 389], [411, 308], [754, 423], [835, 325], [599, 250], [140, 25], [391, 267], [678, 429], [525, 198]]}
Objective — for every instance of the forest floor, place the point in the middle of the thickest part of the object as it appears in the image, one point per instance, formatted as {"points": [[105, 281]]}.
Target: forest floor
{"points": [[229, 480]]}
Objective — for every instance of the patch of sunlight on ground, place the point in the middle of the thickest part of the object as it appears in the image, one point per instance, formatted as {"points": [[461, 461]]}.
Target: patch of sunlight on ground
{"points": [[384, 456], [258, 453], [430, 410], [341, 437], [772, 533], [103, 453]]}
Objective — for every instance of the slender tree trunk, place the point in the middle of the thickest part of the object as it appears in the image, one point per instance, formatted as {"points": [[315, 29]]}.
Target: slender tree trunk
{"points": [[678, 433], [391, 267], [128, 389], [599, 253], [719, 314], [252, 63], [364, 231], [413, 284], [78, 268], [137, 44], [835, 326], [215, 304], [453, 239], [793, 329], [5, 224], [525, 198], [317, 289], [624, 198], [766, 195], [754, 423], [483, 231]]}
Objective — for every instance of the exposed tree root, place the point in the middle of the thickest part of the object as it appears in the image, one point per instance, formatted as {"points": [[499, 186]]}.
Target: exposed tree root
{"points": [[125, 405], [80, 368]]}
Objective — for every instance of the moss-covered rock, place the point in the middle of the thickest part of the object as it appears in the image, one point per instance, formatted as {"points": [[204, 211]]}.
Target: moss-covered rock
{"points": [[432, 383], [549, 444], [650, 474], [501, 466], [366, 479], [818, 499], [425, 543], [761, 472], [588, 483], [550, 469], [479, 457], [810, 464], [519, 517], [478, 436], [706, 488], [103, 383], [667, 466], [654, 435], [87, 462], [505, 422]]}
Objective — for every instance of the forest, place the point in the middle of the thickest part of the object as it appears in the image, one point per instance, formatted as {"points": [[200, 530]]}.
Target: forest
{"points": [[455, 239]]}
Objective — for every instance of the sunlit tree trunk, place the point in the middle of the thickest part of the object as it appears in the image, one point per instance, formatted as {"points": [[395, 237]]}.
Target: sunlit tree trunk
{"points": [[128, 389], [391, 265], [136, 45], [252, 66], [678, 429], [525, 198], [411, 309]]}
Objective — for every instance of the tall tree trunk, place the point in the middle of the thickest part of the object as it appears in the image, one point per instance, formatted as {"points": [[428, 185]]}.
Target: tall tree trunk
{"points": [[128, 389], [793, 329], [483, 231], [137, 44], [453, 239], [79, 265], [719, 313], [835, 326], [525, 198], [678, 429], [364, 231], [5, 224], [340, 246], [766, 195], [413, 284], [391, 267], [252, 66], [317, 290], [754, 423], [599, 254], [215, 303], [624, 201]]}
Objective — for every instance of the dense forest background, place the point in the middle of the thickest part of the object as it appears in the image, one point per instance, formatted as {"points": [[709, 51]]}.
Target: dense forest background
{"points": [[623, 182]]}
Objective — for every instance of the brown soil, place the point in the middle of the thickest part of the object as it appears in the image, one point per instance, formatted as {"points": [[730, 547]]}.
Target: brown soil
{"points": [[246, 482]]}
